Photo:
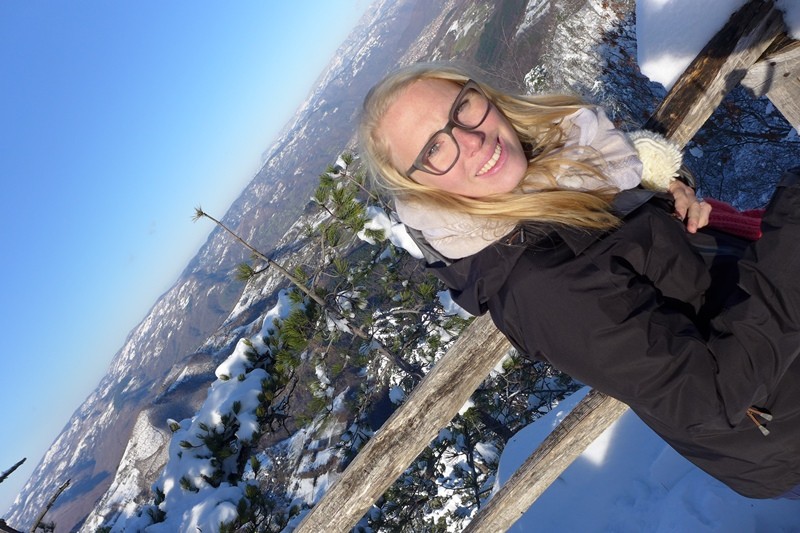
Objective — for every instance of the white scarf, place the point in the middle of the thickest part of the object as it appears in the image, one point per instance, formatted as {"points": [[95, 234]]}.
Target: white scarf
{"points": [[455, 234]]}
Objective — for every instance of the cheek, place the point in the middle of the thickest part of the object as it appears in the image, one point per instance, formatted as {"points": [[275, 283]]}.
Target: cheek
{"points": [[516, 167], [521, 163], [448, 182]]}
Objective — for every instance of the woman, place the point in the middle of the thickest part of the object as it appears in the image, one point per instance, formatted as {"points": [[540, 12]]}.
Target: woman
{"points": [[532, 211]]}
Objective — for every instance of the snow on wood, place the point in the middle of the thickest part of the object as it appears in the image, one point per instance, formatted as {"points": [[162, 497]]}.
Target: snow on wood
{"points": [[719, 68]]}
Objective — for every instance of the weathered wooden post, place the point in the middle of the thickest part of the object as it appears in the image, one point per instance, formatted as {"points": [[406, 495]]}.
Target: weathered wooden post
{"points": [[432, 404]]}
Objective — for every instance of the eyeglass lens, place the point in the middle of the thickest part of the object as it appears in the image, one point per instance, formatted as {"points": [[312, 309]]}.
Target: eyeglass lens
{"points": [[468, 112]]}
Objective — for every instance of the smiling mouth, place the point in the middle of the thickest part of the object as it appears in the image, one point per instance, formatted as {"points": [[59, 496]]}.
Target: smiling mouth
{"points": [[489, 165]]}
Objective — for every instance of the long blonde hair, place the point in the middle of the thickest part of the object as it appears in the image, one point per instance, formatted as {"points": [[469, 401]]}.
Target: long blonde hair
{"points": [[535, 119]]}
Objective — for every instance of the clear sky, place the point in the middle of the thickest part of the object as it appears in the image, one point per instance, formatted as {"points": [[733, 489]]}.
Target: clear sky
{"points": [[116, 120]]}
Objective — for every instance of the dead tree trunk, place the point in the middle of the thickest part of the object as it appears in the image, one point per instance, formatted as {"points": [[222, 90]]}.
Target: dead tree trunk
{"points": [[5, 528], [47, 507], [717, 69], [8, 472], [577, 431], [777, 77]]}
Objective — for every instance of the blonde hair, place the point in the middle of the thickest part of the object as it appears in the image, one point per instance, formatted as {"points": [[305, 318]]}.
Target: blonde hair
{"points": [[535, 119]]}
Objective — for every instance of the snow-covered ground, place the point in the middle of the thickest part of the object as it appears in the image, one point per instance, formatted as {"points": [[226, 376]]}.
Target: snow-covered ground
{"points": [[670, 33], [629, 479]]}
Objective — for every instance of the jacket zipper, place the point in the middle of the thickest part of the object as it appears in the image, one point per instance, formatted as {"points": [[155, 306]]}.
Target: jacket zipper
{"points": [[752, 413]]}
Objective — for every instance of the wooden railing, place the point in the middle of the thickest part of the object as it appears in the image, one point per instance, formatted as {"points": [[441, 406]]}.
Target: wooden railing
{"points": [[720, 67], [432, 404]]}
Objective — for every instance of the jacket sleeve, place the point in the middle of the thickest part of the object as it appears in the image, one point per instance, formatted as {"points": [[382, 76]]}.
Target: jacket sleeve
{"points": [[618, 321], [761, 324]]}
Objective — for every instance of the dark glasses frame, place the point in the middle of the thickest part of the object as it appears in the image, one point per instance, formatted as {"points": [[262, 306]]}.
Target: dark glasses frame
{"points": [[452, 122]]}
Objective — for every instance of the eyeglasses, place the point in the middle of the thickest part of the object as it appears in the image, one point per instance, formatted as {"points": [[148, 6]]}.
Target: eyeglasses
{"points": [[470, 109]]}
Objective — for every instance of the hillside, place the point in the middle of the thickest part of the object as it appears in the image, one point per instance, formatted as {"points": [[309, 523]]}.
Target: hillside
{"points": [[171, 336]]}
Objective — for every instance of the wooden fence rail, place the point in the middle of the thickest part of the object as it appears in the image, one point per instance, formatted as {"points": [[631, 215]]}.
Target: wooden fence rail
{"points": [[432, 404], [721, 65], [579, 429], [777, 76], [716, 70]]}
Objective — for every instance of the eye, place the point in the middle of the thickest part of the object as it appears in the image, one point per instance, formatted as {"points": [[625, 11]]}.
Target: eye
{"points": [[439, 152], [432, 150], [461, 109]]}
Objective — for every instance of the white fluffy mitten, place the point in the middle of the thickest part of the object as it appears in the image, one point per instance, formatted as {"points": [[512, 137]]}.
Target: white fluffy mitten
{"points": [[661, 159]]}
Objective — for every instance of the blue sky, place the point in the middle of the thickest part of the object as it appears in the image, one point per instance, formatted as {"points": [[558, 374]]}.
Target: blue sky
{"points": [[116, 120]]}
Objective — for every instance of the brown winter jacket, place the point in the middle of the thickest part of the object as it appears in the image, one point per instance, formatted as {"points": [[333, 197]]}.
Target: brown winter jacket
{"points": [[626, 312]]}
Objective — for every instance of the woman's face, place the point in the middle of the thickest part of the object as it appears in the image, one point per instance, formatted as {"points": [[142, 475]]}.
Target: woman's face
{"points": [[491, 159]]}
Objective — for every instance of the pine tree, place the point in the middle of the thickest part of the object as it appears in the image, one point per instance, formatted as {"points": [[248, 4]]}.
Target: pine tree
{"points": [[341, 202], [350, 301], [324, 343]]}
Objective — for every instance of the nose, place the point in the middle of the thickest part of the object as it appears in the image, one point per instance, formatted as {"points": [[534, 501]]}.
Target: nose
{"points": [[469, 141]]}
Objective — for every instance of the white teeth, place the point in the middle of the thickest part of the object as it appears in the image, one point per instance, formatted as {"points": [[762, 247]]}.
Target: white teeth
{"points": [[493, 161]]}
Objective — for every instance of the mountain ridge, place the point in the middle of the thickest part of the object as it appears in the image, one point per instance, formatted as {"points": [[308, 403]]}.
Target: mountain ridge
{"points": [[89, 447]]}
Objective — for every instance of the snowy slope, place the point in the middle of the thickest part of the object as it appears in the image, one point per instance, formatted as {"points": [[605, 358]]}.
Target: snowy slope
{"points": [[629, 480]]}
